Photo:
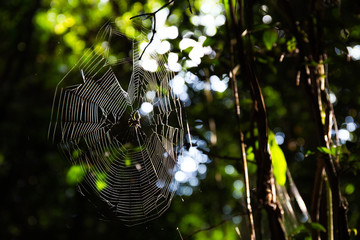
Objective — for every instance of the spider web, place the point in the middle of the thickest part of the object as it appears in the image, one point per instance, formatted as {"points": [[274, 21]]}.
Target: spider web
{"points": [[130, 167]]}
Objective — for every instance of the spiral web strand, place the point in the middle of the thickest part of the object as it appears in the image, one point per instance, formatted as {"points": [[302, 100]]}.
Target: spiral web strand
{"points": [[128, 157]]}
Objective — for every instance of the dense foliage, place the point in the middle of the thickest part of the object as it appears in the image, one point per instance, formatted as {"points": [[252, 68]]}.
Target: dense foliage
{"points": [[42, 40]]}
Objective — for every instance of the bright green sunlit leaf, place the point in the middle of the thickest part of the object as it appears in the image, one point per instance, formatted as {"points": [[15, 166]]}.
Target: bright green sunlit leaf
{"points": [[75, 175], [325, 150], [291, 45], [353, 232], [217, 234], [308, 153], [250, 156], [100, 185], [278, 160], [127, 162], [349, 189], [100, 181]]}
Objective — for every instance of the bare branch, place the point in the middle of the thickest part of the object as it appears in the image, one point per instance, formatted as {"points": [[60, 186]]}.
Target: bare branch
{"points": [[215, 226], [241, 135], [153, 15]]}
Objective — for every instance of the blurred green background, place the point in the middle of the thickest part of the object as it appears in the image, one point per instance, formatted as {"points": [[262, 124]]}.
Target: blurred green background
{"points": [[42, 40]]}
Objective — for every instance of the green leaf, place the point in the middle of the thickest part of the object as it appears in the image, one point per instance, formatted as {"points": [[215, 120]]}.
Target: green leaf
{"points": [[278, 160], [308, 153], [208, 42], [325, 150], [127, 162], [260, 27], [75, 174], [262, 60], [139, 149], [353, 233], [334, 150], [306, 229], [100, 181], [269, 38], [291, 45], [76, 153], [250, 156], [349, 189], [315, 226], [100, 185], [299, 229]]}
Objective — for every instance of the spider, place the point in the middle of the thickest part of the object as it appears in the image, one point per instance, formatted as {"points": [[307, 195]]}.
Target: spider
{"points": [[134, 121]]}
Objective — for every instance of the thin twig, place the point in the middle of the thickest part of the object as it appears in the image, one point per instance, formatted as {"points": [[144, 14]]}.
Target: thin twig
{"points": [[153, 30], [190, 7], [241, 136], [330, 228], [215, 226], [229, 158], [153, 15], [179, 233]]}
